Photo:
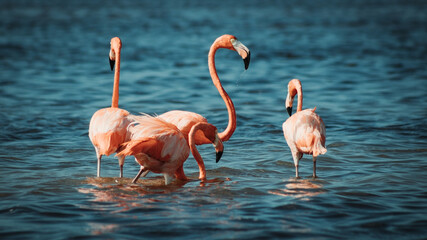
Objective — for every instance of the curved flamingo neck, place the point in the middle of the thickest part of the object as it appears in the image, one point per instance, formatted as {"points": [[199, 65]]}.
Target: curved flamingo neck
{"points": [[115, 99], [231, 127], [299, 92], [194, 151], [295, 88]]}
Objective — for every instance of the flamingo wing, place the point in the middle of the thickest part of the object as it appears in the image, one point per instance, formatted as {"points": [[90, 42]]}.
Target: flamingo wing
{"points": [[157, 138]]}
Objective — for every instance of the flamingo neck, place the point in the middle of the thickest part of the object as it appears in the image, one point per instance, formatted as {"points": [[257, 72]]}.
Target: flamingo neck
{"points": [[115, 99], [194, 151], [299, 107], [231, 127]]}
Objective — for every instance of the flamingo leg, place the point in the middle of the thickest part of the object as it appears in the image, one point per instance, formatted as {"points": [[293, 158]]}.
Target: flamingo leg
{"points": [[314, 167], [179, 174], [296, 171], [121, 163], [98, 156], [142, 172], [296, 156]]}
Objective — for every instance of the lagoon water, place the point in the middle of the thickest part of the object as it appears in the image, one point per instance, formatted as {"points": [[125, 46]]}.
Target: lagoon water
{"points": [[361, 63]]}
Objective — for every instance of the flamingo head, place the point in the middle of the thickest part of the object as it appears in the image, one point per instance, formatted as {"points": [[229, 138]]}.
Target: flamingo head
{"points": [[294, 86], [211, 133], [116, 46], [289, 102], [219, 147], [231, 42]]}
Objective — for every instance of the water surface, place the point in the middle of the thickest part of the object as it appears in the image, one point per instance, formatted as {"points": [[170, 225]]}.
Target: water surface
{"points": [[362, 64]]}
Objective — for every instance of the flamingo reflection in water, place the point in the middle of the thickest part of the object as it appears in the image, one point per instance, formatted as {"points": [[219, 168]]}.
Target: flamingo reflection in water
{"points": [[302, 189], [125, 197]]}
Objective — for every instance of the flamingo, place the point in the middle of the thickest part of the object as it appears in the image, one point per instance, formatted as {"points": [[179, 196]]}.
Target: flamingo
{"points": [[108, 126], [159, 146], [304, 131], [185, 120]]}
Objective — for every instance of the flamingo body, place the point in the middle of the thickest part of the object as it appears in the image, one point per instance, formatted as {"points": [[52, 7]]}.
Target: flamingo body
{"points": [[108, 129], [304, 131], [157, 145]]}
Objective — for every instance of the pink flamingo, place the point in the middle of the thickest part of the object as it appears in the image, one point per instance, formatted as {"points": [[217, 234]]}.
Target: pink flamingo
{"points": [[108, 126], [159, 146], [304, 131], [185, 120]]}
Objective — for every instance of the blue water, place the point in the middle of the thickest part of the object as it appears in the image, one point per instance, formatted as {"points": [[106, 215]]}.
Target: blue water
{"points": [[361, 63]]}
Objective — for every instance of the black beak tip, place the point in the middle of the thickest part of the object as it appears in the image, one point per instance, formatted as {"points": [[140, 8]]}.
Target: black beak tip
{"points": [[289, 109], [112, 62], [247, 60], [218, 156]]}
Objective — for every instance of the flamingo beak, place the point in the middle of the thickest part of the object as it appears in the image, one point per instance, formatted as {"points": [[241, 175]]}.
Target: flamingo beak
{"points": [[243, 51], [288, 104], [247, 60], [218, 156], [219, 147], [289, 109], [112, 62]]}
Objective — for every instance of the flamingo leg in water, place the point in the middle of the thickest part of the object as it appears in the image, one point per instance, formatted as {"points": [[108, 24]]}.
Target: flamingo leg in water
{"points": [[296, 171], [98, 156], [142, 172], [121, 162], [179, 174], [145, 173], [296, 156]]}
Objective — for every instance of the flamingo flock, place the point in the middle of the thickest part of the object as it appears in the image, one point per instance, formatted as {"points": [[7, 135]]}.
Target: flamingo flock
{"points": [[161, 144]]}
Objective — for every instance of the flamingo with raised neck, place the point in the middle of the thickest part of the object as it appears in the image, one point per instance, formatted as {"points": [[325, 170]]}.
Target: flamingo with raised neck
{"points": [[108, 126]]}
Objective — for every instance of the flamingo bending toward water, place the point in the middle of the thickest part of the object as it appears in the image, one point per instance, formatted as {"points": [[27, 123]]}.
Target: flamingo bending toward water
{"points": [[185, 120], [159, 146], [108, 126], [304, 131]]}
